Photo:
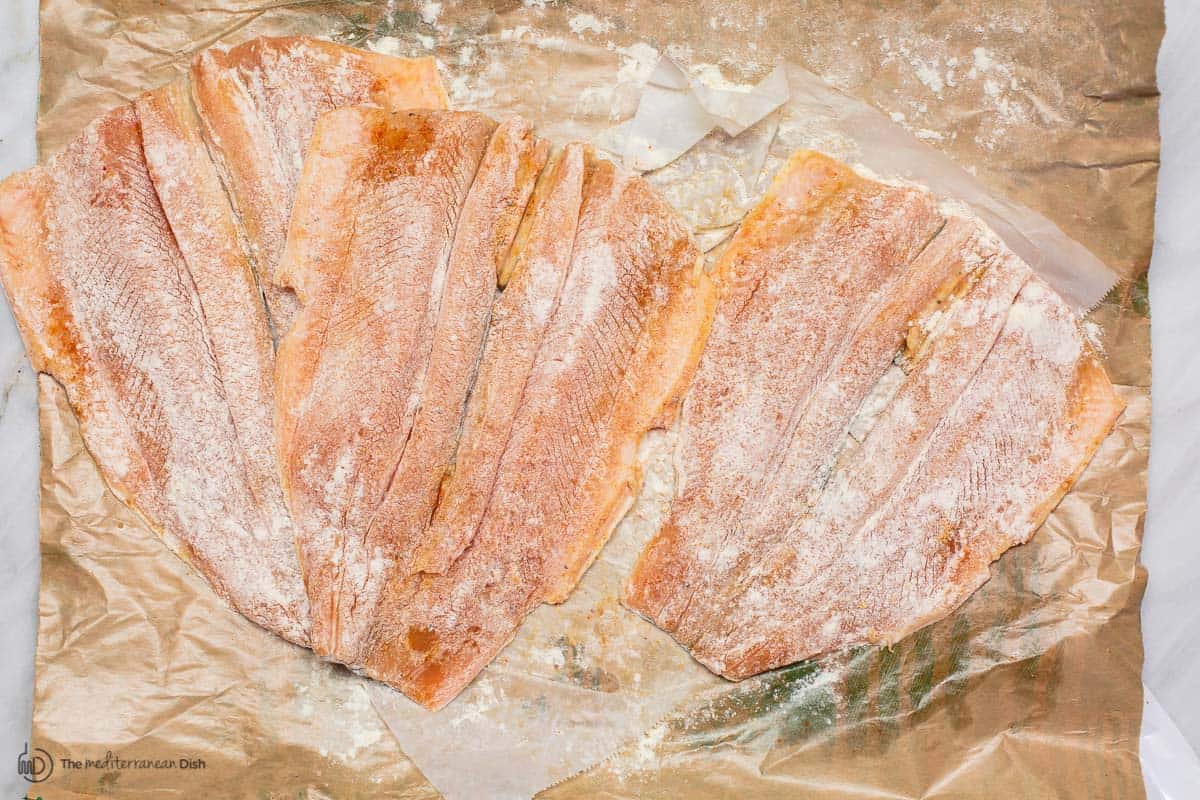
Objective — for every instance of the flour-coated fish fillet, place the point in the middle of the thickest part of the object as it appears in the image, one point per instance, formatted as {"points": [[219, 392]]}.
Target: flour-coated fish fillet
{"points": [[400, 224], [945, 366], [1000, 458], [489, 223], [259, 102], [1002, 407], [520, 317], [617, 349], [112, 308], [817, 289], [203, 225]]}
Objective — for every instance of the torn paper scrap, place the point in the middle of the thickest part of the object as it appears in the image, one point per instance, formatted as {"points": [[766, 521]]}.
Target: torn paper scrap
{"points": [[677, 111]]}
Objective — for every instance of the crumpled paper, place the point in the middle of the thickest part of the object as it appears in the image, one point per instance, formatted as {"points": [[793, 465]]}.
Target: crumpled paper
{"points": [[721, 169], [676, 111], [579, 680], [1031, 689], [139, 662]]}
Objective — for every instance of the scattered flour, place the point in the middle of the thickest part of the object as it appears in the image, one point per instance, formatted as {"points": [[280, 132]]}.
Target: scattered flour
{"points": [[637, 62], [588, 22], [928, 74], [982, 62], [972, 72], [646, 753], [430, 11], [386, 45], [711, 74]]}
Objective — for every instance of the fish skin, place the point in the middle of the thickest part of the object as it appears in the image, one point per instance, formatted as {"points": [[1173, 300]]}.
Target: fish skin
{"points": [[820, 253], [108, 307], [372, 237], [618, 349], [259, 102]]}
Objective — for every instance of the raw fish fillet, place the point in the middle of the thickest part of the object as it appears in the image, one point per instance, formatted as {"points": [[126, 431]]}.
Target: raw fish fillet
{"points": [[486, 230], [889, 558], [259, 102], [591, 347], [1002, 406], [816, 291], [401, 222], [123, 305], [203, 224], [520, 318]]}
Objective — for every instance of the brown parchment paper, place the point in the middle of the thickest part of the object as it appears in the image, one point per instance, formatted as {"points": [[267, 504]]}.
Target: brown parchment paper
{"points": [[138, 659], [1031, 690]]}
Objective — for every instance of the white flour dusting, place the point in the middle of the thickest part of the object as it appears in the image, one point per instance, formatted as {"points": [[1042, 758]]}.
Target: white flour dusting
{"points": [[430, 11], [583, 23]]}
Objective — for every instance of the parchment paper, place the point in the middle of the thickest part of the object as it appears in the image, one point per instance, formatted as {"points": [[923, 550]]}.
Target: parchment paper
{"points": [[1031, 690], [138, 661]]}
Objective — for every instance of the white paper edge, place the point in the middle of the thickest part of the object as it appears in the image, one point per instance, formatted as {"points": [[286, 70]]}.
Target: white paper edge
{"points": [[676, 111], [888, 150], [1170, 768]]}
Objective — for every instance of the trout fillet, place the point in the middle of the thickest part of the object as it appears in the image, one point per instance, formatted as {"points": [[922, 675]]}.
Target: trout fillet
{"points": [[787, 540], [123, 298], [593, 347], [401, 222], [259, 103]]}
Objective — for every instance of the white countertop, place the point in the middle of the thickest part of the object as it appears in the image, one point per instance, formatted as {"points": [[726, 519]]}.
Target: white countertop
{"points": [[18, 417], [1171, 547], [1171, 613]]}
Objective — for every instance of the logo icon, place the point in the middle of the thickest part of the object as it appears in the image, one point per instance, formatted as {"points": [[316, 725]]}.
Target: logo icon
{"points": [[35, 767]]}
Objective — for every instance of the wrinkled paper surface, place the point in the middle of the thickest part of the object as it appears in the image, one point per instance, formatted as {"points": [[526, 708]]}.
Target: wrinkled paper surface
{"points": [[1031, 689]]}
